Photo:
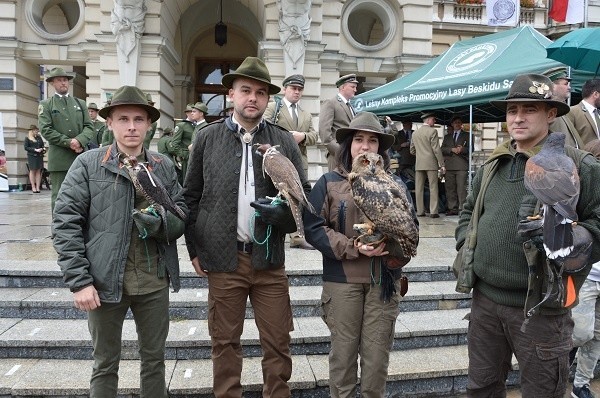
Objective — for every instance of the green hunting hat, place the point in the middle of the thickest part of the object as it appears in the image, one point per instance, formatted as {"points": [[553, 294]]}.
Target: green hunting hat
{"points": [[130, 95], [92, 105], [294, 80], [532, 87], [57, 72], [251, 68], [427, 115], [201, 107], [149, 99], [554, 74], [366, 121], [189, 107], [346, 79]]}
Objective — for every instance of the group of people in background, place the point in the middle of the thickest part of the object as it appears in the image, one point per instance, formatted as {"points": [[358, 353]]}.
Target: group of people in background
{"points": [[235, 235]]}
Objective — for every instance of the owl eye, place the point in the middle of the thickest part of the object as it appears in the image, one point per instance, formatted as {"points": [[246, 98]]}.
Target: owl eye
{"points": [[365, 161]]}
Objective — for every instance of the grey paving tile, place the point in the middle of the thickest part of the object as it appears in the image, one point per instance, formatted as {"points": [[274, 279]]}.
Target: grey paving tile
{"points": [[12, 371]]}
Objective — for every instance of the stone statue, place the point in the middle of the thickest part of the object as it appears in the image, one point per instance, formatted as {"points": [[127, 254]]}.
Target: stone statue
{"points": [[294, 32], [127, 24]]}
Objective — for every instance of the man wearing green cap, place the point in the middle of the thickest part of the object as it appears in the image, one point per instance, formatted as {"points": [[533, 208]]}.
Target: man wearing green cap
{"points": [[201, 122], [336, 113], [288, 114], [115, 252], [108, 138], [99, 126], [235, 235], [561, 91], [65, 124], [502, 256], [183, 134]]}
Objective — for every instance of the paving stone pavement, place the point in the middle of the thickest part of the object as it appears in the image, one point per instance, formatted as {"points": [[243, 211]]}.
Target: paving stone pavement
{"points": [[45, 347]]}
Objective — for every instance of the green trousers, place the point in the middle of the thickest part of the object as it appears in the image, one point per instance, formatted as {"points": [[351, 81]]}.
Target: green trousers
{"points": [[56, 179], [151, 316]]}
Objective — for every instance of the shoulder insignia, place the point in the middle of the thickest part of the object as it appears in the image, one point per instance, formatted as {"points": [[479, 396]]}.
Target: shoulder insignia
{"points": [[176, 129], [40, 109]]}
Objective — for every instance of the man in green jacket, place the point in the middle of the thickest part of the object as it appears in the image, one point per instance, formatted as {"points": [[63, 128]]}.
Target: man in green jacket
{"points": [[510, 312], [99, 126], [64, 122], [116, 254]]}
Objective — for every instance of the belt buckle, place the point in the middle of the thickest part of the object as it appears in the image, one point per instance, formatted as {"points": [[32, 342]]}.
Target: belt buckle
{"points": [[245, 247]]}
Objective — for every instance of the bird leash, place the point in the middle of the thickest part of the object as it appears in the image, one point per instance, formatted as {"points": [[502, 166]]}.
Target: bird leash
{"points": [[274, 201]]}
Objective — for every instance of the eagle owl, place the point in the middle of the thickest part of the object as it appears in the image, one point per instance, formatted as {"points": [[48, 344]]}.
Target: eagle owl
{"points": [[384, 203], [286, 179], [148, 184]]}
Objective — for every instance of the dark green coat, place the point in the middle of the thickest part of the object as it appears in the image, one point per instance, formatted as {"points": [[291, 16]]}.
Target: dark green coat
{"points": [[182, 138], [149, 135], [99, 128], [61, 121]]}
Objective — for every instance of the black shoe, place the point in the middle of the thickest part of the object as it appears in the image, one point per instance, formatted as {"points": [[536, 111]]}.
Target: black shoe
{"points": [[434, 215], [422, 215], [582, 392], [303, 245]]}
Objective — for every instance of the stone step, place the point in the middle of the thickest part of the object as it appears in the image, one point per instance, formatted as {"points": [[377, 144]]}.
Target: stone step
{"points": [[56, 303], [189, 339], [303, 267], [432, 372]]}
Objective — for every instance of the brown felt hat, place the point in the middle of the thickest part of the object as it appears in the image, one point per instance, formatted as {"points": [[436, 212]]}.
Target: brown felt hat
{"points": [[251, 68], [33, 127], [366, 121], [130, 95], [57, 72], [532, 88]]}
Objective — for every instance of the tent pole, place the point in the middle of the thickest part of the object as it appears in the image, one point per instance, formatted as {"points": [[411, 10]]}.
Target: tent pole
{"points": [[470, 179]]}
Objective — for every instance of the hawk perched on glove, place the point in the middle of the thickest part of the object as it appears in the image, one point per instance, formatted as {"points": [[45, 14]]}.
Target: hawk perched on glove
{"points": [[286, 179], [552, 177], [383, 202]]}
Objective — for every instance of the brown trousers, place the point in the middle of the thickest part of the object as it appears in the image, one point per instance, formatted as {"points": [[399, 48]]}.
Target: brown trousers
{"points": [[269, 295], [456, 189]]}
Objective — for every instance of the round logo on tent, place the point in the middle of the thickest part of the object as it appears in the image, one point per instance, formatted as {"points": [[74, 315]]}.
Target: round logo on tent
{"points": [[358, 104], [471, 57]]}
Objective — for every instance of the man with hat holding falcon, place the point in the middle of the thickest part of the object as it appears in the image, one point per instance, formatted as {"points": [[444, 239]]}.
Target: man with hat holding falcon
{"points": [[66, 125], [287, 113], [502, 256], [235, 235], [115, 252], [336, 113]]}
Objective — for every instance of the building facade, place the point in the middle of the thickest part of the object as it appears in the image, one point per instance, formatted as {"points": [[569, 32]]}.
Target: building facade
{"points": [[169, 49]]}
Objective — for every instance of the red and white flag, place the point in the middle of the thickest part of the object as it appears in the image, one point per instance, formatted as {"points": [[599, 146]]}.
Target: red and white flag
{"points": [[569, 11]]}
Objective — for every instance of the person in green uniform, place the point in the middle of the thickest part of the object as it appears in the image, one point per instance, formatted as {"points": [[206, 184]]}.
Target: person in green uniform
{"points": [[150, 133], [99, 126], [65, 124], [163, 147], [182, 138], [202, 109]]}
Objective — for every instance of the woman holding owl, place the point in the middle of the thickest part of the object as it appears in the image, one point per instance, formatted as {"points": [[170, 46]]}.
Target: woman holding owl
{"points": [[361, 282]]}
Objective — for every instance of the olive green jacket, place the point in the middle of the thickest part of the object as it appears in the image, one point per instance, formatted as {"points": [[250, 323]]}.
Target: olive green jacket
{"points": [[59, 122]]}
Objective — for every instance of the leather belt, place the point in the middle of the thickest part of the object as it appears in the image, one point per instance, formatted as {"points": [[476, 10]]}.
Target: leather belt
{"points": [[244, 247]]}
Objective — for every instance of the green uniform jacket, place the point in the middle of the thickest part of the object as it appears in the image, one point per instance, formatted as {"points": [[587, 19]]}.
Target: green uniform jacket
{"points": [[99, 128], [149, 135], [61, 121], [182, 138]]}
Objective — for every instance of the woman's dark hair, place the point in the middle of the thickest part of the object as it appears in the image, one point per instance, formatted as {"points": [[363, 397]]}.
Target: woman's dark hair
{"points": [[344, 155]]}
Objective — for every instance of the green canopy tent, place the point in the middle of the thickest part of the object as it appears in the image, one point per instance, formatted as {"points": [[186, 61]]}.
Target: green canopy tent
{"points": [[467, 76]]}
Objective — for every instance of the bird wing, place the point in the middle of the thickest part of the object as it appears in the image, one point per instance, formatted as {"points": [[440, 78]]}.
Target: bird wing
{"points": [[155, 191], [285, 177], [385, 204], [554, 183]]}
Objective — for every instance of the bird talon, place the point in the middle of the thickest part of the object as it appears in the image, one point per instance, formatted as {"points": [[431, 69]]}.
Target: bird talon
{"points": [[533, 218]]}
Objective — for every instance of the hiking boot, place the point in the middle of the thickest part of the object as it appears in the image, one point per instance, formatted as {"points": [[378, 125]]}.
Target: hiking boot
{"points": [[582, 392]]}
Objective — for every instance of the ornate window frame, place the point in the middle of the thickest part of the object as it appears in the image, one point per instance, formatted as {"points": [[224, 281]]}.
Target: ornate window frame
{"points": [[383, 10], [34, 10]]}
